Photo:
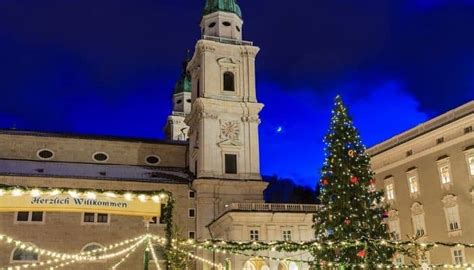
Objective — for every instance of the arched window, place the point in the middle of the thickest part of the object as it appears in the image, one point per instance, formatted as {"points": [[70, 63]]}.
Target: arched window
{"points": [[229, 81], [22, 255], [91, 247]]}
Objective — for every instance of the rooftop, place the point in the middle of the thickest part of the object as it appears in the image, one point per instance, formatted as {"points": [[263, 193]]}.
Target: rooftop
{"points": [[433, 124], [88, 137], [93, 171]]}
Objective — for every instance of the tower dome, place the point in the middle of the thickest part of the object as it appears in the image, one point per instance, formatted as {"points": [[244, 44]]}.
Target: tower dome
{"points": [[222, 5]]}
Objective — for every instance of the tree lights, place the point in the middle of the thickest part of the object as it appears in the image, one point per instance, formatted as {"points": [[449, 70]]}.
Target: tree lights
{"points": [[351, 210]]}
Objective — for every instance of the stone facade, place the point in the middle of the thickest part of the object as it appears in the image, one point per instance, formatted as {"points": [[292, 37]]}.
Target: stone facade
{"points": [[210, 163], [427, 174]]}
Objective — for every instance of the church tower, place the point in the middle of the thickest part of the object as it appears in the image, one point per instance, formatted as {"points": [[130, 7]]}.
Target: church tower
{"points": [[176, 129], [224, 119]]}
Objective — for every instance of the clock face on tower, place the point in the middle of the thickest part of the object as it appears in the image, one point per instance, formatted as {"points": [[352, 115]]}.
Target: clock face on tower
{"points": [[230, 130]]}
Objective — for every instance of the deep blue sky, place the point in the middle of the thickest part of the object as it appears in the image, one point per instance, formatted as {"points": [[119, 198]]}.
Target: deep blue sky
{"points": [[108, 67]]}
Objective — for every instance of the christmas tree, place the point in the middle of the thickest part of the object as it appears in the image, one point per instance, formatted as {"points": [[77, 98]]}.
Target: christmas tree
{"points": [[352, 209]]}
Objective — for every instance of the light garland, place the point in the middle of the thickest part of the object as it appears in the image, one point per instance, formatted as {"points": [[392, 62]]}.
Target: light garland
{"points": [[189, 254], [64, 256], [142, 196], [153, 255], [130, 252]]}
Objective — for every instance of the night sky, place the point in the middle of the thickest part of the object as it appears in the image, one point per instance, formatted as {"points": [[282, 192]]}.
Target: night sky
{"points": [[108, 67]]}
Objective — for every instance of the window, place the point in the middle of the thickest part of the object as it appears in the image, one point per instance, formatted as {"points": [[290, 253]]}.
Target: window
{"points": [[23, 255], [192, 213], [390, 190], [413, 183], [440, 140], [191, 235], [152, 160], [100, 157], [188, 100], [91, 247], [192, 194], [212, 24], [238, 28], [45, 154], [179, 101], [470, 162], [394, 226], [419, 225], [286, 235], [254, 235], [445, 177], [458, 256], [95, 218], [468, 130], [226, 23], [229, 84], [160, 219], [230, 164], [29, 217], [102, 218], [452, 216]]}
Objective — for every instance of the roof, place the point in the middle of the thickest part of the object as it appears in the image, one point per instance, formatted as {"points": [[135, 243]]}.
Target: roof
{"points": [[94, 171], [424, 128], [222, 5], [89, 137]]}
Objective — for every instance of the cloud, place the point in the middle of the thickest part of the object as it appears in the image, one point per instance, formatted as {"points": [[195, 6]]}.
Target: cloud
{"points": [[383, 111]]}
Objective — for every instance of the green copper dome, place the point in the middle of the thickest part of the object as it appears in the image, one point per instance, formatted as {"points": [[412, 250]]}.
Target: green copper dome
{"points": [[184, 83], [222, 5]]}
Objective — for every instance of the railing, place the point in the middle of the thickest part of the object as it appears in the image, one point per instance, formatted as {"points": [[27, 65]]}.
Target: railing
{"points": [[272, 207], [228, 40]]}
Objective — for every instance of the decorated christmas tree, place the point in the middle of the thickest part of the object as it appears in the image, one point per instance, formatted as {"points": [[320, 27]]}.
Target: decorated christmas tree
{"points": [[352, 209]]}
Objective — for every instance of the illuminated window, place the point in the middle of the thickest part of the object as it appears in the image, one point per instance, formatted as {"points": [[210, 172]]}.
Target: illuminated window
{"points": [[413, 183], [390, 192], [254, 235], [470, 162], [444, 170], [445, 176]]}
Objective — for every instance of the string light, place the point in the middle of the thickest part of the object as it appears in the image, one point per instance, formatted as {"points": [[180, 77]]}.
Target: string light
{"points": [[64, 256], [142, 196], [153, 255]]}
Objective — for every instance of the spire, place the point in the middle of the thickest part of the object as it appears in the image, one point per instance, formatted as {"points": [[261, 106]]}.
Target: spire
{"points": [[184, 82], [222, 5]]}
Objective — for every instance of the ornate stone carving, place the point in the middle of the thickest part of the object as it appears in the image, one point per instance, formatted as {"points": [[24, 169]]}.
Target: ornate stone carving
{"points": [[417, 209], [450, 200], [251, 119], [202, 47], [207, 115], [230, 130], [393, 214]]}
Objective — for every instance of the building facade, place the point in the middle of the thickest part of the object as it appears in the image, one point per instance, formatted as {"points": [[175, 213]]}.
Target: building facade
{"points": [[209, 163], [427, 174]]}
